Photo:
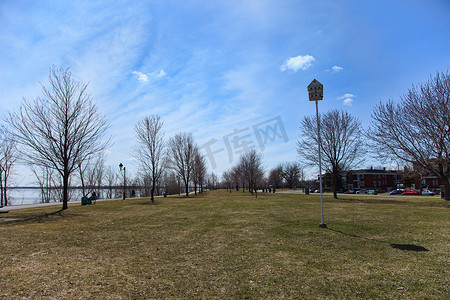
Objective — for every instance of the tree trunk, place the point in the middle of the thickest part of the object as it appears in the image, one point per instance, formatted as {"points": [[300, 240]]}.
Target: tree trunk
{"points": [[2, 203], [187, 189], [4, 189], [335, 179], [152, 193], [446, 188], [65, 191], [83, 187]]}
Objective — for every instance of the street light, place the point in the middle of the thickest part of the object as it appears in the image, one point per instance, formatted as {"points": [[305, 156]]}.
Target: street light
{"points": [[122, 168], [315, 92]]}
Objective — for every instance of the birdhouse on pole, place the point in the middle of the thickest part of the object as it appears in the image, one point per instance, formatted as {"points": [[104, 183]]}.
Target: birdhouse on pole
{"points": [[315, 90]]}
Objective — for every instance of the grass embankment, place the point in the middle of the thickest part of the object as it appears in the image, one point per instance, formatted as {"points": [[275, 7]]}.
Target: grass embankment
{"points": [[229, 246]]}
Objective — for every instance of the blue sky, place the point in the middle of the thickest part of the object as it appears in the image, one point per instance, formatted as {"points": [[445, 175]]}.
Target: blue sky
{"points": [[223, 70]]}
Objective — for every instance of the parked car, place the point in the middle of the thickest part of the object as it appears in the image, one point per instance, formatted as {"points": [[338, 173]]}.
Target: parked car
{"points": [[395, 192], [380, 191], [427, 193], [349, 192], [410, 192], [362, 192]]}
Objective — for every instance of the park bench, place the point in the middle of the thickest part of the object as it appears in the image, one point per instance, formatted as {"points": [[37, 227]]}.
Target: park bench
{"points": [[90, 200]]}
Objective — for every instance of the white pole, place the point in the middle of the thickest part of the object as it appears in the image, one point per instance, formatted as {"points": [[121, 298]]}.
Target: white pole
{"points": [[322, 223]]}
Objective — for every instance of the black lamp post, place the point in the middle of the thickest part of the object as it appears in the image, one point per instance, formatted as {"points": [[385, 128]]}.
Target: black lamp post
{"points": [[122, 168]]}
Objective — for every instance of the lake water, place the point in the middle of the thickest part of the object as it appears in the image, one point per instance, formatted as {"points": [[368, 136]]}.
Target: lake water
{"points": [[17, 196]]}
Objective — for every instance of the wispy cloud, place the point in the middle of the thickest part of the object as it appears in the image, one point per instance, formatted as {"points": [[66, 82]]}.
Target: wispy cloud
{"points": [[141, 76], [145, 77], [347, 99], [298, 62], [161, 74], [336, 69]]}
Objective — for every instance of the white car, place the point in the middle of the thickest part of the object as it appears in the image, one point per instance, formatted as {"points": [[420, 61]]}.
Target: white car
{"points": [[362, 191], [427, 193]]}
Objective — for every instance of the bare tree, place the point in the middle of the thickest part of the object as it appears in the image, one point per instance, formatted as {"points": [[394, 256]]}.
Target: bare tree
{"points": [[199, 170], [251, 166], [8, 158], [111, 181], [292, 173], [213, 181], [182, 152], [417, 129], [275, 177], [170, 183], [61, 129], [341, 143], [150, 149], [227, 180], [44, 180], [238, 176], [91, 174]]}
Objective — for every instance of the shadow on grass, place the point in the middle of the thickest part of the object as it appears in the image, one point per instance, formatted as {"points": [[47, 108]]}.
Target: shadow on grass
{"points": [[405, 247], [409, 247], [39, 216], [149, 202]]}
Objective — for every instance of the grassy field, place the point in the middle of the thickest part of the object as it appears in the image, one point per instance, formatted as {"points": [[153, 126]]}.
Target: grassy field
{"points": [[221, 245]]}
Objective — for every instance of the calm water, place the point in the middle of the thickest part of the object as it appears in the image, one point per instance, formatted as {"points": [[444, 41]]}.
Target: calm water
{"points": [[31, 196]]}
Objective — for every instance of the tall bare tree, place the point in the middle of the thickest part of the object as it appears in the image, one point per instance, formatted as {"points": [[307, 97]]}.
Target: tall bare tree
{"points": [[252, 169], [199, 170], [61, 129], [182, 152], [8, 158], [150, 149], [341, 143], [417, 129]]}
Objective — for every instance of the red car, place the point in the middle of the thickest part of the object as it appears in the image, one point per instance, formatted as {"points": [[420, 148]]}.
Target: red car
{"points": [[410, 192]]}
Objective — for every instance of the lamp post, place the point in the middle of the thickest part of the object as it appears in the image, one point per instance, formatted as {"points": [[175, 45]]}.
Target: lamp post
{"points": [[122, 168], [315, 92]]}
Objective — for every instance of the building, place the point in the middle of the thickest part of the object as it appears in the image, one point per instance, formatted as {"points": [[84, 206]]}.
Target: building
{"points": [[372, 179], [424, 179]]}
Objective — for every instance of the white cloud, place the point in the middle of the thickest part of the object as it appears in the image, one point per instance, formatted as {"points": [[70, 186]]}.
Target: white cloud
{"points": [[346, 96], [347, 99], [297, 63], [141, 76], [336, 69], [161, 74], [145, 77]]}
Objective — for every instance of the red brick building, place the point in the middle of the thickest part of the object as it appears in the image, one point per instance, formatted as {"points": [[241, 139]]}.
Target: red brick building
{"points": [[372, 179]]}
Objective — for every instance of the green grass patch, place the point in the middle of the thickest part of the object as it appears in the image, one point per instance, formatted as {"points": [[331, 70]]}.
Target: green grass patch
{"points": [[221, 245]]}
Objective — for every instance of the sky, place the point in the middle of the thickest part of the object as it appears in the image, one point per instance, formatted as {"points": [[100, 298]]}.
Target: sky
{"points": [[233, 73]]}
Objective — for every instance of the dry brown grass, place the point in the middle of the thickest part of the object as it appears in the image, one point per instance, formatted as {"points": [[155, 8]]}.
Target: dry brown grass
{"points": [[228, 246]]}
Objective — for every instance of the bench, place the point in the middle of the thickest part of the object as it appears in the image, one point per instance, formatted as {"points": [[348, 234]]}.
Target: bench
{"points": [[90, 200]]}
